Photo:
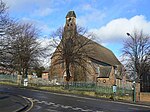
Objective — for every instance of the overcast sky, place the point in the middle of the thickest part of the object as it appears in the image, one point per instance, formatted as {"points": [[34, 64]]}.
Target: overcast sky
{"points": [[110, 20]]}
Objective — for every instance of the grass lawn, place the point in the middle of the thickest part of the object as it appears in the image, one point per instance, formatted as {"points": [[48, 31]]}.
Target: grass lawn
{"points": [[61, 89]]}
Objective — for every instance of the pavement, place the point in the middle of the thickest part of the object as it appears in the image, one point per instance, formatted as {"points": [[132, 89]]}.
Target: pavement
{"points": [[12, 103]]}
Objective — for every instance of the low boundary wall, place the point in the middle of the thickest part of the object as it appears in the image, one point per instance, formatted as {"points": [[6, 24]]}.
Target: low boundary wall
{"points": [[145, 96]]}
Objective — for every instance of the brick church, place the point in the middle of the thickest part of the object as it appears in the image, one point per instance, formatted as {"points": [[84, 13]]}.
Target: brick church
{"points": [[106, 68]]}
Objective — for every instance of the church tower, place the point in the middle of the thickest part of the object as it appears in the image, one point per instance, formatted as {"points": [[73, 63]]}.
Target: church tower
{"points": [[70, 25]]}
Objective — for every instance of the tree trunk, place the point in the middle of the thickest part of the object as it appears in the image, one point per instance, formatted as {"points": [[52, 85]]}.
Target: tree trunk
{"points": [[68, 76]]}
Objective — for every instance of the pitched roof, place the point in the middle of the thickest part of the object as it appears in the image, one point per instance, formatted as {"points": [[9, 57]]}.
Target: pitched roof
{"points": [[71, 14], [46, 71], [101, 53]]}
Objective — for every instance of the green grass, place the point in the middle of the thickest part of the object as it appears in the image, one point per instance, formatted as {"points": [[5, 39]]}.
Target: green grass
{"points": [[8, 83], [60, 89]]}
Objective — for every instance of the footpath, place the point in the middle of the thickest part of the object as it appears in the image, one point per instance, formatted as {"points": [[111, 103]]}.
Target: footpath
{"points": [[12, 103]]}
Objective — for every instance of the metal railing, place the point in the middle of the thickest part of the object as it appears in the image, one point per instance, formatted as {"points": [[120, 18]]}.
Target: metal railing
{"points": [[8, 77], [99, 89]]}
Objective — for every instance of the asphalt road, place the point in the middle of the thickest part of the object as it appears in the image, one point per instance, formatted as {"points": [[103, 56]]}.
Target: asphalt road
{"points": [[53, 102], [11, 103]]}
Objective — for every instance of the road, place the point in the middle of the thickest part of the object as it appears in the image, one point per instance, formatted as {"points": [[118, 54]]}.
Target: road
{"points": [[54, 102]]}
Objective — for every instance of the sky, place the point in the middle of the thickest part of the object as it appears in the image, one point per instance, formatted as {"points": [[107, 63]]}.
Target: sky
{"points": [[109, 20]]}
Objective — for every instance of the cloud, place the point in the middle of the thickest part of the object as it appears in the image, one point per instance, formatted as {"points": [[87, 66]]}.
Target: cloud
{"points": [[87, 7], [90, 14], [44, 27], [32, 7], [44, 42], [92, 17], [43, 12], [116, 29]]}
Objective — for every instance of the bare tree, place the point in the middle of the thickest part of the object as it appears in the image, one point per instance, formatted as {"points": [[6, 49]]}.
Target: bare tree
{"points": [[6, 25], [136, 51], [20, 49], [2, 23], [73, 50], [26, 51]]}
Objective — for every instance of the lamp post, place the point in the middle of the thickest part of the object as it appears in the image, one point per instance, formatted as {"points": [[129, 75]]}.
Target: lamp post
{"points": [[134, 64]]}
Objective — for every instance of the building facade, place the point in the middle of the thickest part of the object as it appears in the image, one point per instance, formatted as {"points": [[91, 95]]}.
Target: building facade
{"points": [[103, 65]]}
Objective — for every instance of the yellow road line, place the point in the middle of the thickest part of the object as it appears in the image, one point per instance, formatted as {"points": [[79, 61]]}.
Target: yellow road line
{"points": [[28, 100]]}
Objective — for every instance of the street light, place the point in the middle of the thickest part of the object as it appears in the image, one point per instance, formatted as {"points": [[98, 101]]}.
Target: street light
{"points": [[134, 83]]}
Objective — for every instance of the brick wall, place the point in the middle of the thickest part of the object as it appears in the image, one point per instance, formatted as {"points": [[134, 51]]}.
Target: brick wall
{"points": [[145, 97], [103, 81], [112, 78], [137, 91]]}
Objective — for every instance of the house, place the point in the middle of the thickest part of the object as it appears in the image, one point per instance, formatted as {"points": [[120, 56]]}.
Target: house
{"points": [[45, 75], [103, 64]]}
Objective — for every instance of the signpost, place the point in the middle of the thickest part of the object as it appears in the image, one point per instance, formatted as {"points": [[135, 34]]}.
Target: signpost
{"points": [[114, 91]]}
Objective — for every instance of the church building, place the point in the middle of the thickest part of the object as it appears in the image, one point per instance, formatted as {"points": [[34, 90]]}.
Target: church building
{"points": [[105, 69]]}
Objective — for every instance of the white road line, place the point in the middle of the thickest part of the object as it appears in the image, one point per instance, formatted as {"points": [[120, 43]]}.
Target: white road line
{"points": [[50, 110], [60, 105], [68, 95]]}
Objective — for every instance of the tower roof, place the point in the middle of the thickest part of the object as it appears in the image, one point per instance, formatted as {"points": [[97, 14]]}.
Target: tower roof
{"points": [[71, 14]]}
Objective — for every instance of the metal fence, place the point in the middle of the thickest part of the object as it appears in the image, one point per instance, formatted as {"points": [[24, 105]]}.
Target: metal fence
{"points": [[100, 89], [8, 77], [84, 86]]}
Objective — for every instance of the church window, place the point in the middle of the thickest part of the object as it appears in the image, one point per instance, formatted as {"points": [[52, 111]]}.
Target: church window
{"points": [[104, 81], [69, 20], [116, 71]]}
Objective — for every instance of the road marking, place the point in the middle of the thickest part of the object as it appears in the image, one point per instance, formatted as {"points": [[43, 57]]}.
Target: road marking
{"points": [[28, 100], [50, 110], [31, 104], [60, 105], [68, 95], [38, 107]]}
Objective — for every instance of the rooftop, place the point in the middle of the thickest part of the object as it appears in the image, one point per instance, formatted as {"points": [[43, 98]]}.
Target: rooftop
{"points": [[71, 14]]}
